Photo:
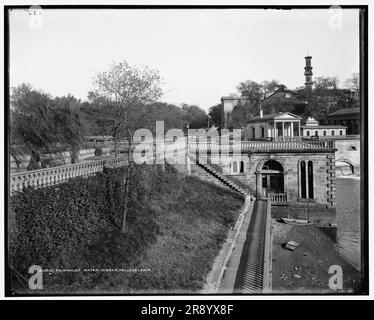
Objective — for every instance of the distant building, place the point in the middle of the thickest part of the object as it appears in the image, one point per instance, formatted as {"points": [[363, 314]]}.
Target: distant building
{"points": [[282, 93], [272, 126], [313, 128], [349, 117], [229, 103]]}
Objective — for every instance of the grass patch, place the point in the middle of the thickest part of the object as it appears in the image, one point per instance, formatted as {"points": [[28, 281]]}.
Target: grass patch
{"points": [[176, 226]]}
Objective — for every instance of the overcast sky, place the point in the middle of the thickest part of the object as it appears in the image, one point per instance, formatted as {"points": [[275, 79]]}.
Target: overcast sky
{"points": [[201, 54]]}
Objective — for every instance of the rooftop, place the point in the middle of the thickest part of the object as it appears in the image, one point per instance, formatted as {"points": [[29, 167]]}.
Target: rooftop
{"points": [[235, 98], [345, 111], [333, 126], [276, 116]]}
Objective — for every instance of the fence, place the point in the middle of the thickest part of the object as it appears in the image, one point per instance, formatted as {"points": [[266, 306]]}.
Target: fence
{"points": [[266, 146], [51, 176], [278, 197]]}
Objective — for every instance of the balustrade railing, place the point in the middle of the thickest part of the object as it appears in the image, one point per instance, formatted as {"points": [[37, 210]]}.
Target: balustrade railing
{"points": [[266, 146], [277, 197], [52, 176]]}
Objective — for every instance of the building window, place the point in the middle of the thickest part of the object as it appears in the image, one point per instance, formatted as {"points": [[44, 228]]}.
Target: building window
{"points": [[310, 180], [332, 132], [234, 166], [263, 132], [316, 133], [324, 132], [352, 148], [253, 132], [264, 182], [303, 180], [308, 133], [241, 166], [306, 180], [341, 132]]}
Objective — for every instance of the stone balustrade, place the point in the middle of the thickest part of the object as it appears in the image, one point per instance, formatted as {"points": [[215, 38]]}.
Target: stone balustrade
{"points": [[277, 197], [52, 176], [266, 146]]}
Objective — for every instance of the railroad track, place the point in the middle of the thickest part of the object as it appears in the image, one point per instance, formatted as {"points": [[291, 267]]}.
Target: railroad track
{"points": [[249, 277]]}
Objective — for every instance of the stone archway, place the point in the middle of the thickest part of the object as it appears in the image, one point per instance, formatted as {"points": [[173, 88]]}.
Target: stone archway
{"points": [[271, 176], [344, 166]]}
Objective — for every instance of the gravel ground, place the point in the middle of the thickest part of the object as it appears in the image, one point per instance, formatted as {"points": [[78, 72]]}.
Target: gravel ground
{"points": [[306, 269]]}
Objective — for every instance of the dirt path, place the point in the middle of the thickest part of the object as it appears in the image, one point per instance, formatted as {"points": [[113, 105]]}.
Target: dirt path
{"points": [[305, 270]]}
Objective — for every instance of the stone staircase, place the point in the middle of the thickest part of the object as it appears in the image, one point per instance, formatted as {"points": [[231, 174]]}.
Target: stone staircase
{"points": [[224, 180]]}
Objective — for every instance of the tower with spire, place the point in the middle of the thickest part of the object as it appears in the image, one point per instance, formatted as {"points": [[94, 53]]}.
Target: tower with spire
{"points": [[308, 72]]}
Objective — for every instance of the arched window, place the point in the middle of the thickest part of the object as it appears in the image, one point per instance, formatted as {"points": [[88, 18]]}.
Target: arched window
{"points": [[303, 179], [310, 180], [308, 133], [341, 132], [234, 166], [241, 166], [332, 132], [306, 179], [324, 132], [272, 165]]}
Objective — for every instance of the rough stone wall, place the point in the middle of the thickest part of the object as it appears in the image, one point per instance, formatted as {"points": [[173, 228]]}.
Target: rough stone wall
{"points": [[320, 216], [344, 152], [324, 177], [323, 174]]}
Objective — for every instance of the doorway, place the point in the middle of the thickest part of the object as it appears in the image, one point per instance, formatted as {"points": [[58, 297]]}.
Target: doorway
{"points": [[272, 178]]}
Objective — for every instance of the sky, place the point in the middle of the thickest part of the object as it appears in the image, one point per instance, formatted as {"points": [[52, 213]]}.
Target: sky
{"points": [[201, 54]]}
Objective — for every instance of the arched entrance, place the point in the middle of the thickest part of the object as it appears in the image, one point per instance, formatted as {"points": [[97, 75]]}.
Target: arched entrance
{"points": [[272, 178], [344, 167]]}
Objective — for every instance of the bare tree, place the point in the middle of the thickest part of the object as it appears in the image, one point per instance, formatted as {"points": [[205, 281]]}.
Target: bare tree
{"points": [[353, 83], [130, 89]]}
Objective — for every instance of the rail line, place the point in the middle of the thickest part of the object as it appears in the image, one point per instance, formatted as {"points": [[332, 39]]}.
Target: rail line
{"points": [[250, 274]]}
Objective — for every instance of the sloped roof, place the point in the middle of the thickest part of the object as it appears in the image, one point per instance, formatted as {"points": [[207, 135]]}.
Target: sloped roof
{"points": [[276, 116], [324, 126], [345, 111]]}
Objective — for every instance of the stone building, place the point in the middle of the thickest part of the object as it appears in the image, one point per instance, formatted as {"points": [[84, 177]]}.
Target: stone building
{"points": [[349, 117], [229, 103], [273, 126], [312, 128], [300, 171]]}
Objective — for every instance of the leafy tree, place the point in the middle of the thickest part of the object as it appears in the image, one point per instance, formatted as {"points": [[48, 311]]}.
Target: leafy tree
{"points": [[326, 83], [194, 116], [270, 86], [170, 114], [255, 90], [250, 88], [215, 113], [130, 90], [40, 124]]}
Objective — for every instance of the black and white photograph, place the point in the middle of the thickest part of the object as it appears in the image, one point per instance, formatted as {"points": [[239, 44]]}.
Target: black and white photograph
{"points": [[185, 150]]}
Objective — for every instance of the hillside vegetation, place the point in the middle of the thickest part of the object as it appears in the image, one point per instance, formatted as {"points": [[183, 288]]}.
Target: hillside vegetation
{"points": [[176, 225]]}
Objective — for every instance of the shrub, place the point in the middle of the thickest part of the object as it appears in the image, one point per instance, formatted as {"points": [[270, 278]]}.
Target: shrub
{"points": [[175, 227]]}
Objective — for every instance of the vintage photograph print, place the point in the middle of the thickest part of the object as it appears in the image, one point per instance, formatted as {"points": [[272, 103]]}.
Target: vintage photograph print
{"points": [[186, 150]]}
